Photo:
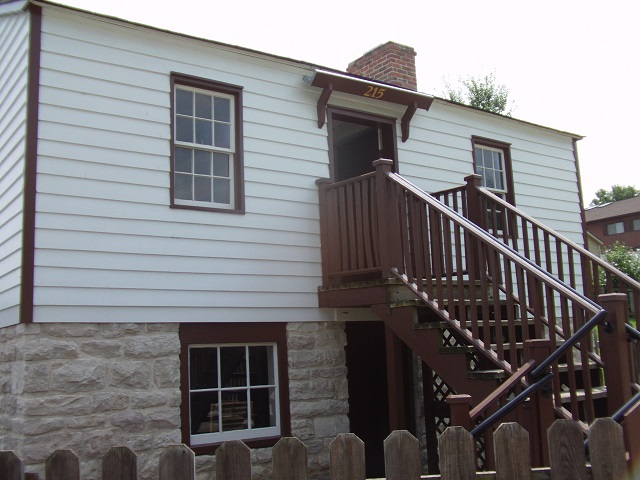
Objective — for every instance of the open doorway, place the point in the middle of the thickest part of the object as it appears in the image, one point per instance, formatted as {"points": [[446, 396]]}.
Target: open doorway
{"points": [[356, 140]]}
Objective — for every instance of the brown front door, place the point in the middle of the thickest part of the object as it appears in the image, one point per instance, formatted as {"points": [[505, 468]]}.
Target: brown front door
{"points": [[356, 140]]}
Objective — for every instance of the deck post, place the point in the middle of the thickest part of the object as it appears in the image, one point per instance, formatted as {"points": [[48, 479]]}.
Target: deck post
{"points": [[542, 408], [614, 350], [325, 251], [460, 406], [383, 167], [476, 215]]}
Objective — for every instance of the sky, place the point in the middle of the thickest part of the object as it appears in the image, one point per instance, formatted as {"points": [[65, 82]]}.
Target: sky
{"points": [[569, 65]]}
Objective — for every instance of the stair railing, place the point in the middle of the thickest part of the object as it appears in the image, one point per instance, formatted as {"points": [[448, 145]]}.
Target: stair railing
{"points": [[546, 247]]}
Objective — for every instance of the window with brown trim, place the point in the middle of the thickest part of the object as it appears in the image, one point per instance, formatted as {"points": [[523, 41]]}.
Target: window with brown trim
{"points": [[207, 152], [492, 160], [614, 228], [234, 384]]}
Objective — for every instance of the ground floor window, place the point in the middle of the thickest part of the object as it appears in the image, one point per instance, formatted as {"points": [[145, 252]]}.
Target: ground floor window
{"points": [[234, 383]]}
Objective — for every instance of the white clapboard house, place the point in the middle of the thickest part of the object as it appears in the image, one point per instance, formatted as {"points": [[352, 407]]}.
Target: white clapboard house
{"points": [[201, 242]]}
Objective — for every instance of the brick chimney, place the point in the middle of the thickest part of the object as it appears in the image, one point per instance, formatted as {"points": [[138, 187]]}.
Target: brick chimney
{"points": [[388, 63]]}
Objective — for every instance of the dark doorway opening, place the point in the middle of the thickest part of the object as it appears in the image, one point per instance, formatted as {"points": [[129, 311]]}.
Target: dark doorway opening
{"points": [[368, 399], [356, 140]]}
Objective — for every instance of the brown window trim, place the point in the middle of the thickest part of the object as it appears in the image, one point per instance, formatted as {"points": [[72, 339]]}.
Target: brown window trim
{"points": [[238, 164], [506, 149], [201, 333]]}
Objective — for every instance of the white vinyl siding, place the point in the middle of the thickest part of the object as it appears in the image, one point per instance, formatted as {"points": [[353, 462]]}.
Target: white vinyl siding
{"points": [[108, 245], [14, 39], [110, 248]]}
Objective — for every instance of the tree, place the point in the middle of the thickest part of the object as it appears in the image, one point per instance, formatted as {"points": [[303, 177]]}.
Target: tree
{"points": [[624, 259], [481, 92], [617, 192]]}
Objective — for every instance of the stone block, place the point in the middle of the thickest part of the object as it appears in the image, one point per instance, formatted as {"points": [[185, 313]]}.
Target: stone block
{"points": [[66, 330], [131, 374], [58, 405], [129, 421], [117, 330], [156, 346], [47, 349], [148, 399], [163, 420], [330, 426], [102, 348], [33, 426], [167, 372], [36, 377], [109, 401], [78, 376], [95, 443]]}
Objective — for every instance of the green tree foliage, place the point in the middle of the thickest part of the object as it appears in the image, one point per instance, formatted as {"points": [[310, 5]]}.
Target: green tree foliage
{"points": [[481, 92], [624, 259], [617, 192]]}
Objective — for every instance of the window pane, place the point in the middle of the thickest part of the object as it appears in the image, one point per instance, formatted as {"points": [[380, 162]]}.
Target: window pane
{"points": [[636, 224], [202, 189], [182, 187], [221, 165], [223, 135], [614, 228], [184, 129], [497, 161], [183, 159], [221, 190], [203, 105], [202, 162], [235, 415], [203, 132], [204, 412], [184, 102], [499, 183], [478, 155], [261, 365], [263, 407], [233, 367], [222, 109], [489, 179], [203, 368]]}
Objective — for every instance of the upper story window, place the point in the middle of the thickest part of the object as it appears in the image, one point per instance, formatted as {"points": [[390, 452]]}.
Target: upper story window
{"points": [[492, 160], [207, 156], [635, 225], [614, 228]]}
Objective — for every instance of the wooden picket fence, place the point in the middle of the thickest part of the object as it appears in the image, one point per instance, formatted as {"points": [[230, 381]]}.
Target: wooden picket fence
{"points": [[401, 451]]}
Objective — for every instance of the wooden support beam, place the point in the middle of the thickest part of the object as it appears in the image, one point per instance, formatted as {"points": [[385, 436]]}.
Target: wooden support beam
{"points": [[406, 120], [322, 104], [395, 381]]}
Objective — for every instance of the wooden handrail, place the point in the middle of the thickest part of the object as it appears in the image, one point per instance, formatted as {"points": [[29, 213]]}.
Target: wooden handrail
{"points": [[583, 251], [502, 248]]}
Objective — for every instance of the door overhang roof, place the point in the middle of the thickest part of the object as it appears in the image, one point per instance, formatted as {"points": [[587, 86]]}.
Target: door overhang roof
{"points": [[336, 82]]}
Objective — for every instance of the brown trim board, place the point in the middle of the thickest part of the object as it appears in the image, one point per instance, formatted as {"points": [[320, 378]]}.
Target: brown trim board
{"points": [[31, 167]]}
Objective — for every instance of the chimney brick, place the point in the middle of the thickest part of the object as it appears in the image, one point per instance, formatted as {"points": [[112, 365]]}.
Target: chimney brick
{"points": [[388, 63]]}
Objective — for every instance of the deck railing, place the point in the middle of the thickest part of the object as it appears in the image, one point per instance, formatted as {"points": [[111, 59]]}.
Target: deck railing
{"points": [[381, 226]]}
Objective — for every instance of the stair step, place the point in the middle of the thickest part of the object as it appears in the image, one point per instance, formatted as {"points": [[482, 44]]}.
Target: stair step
{"points": [[597, 392], [494, 374], [471, 348]]}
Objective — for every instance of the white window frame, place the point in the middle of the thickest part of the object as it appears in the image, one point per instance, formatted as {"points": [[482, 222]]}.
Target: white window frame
{"points": [[242, 434], [231, 151], [502, 192], [615, 225]]}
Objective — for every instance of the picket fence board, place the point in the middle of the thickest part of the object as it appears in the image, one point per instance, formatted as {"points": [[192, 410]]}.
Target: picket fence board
{"points": [[401, 452], [566, 456], [120, 463], [346, 458], [290, 460]]}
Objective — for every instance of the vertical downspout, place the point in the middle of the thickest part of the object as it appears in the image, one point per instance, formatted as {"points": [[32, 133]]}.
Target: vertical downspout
{"points": [[30, 168]]}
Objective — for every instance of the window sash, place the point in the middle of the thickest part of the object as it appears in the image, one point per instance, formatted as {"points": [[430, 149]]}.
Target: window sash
{"points": [[272, 387], [615, 228]]}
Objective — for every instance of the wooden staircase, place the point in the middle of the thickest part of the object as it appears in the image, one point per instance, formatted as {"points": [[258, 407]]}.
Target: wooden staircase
{"points": [[481, 312]]}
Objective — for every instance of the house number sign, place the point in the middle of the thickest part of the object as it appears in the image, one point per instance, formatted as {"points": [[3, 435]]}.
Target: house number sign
{"points": [[374, 92]]}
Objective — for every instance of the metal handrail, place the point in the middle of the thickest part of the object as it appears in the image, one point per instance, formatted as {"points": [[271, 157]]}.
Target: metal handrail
{"points": [[569, 343], [508, 407]]}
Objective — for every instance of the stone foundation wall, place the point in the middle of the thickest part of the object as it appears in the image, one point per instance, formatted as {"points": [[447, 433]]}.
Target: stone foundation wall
{"points": [[88, 387]]}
